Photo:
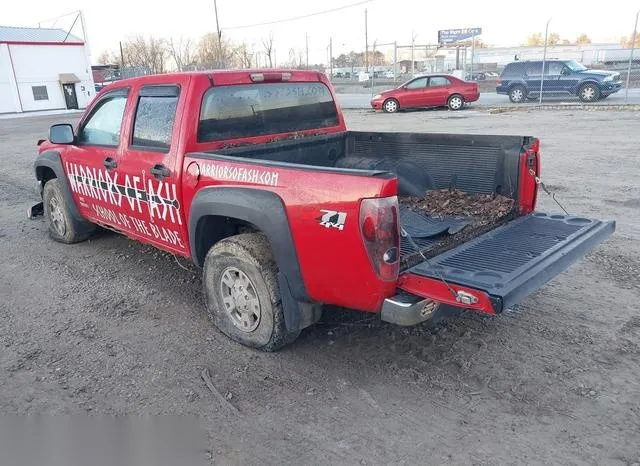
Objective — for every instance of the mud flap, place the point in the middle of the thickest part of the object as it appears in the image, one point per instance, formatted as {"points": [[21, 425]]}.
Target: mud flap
{"points": [[35, 210], [516, 259]]}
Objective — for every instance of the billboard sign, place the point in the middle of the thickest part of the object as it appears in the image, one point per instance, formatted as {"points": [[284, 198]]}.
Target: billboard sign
{"points": [[451, 36]]}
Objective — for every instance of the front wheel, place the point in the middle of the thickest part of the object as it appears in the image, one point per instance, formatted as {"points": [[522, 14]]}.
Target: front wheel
{"points": [[62, 226], [589, 93], [390, 106], [455, 102], [242, 295]]}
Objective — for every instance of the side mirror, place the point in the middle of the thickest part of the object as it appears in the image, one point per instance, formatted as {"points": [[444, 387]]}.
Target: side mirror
{"points": [[61, 134], [565, 72]]}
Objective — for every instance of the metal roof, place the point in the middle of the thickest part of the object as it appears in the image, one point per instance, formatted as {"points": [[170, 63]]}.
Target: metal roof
{"points": [[36, 35]]}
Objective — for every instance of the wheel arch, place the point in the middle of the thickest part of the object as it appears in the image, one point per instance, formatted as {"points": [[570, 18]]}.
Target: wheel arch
{"points": [[586, 81], [48, 166], [219, 212], [259, 211]]}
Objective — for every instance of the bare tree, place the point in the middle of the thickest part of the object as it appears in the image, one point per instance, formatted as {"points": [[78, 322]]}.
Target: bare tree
{"points": [[182, 52], [108, 57], [247, 55], [268, 48], [149, 53], [216, 53]]}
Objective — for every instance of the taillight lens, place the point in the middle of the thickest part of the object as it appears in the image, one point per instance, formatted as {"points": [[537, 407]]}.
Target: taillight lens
{"points": [[380, 230]]}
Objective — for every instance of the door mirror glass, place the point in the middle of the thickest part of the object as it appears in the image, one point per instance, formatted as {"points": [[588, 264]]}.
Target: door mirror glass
{"points": [[61, 134]]}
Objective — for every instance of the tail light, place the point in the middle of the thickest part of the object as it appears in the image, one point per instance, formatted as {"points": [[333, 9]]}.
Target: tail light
{"points": [[498, 82], [529, 170], [380, 230]]}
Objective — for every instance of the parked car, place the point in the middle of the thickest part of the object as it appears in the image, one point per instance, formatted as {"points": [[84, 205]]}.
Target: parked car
{"points": [[389, 74], [522, 79], [427, 91], [253, 176]]}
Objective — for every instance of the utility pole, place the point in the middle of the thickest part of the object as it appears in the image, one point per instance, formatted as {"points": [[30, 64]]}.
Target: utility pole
{"points": [[306, 41], [330, 58], [121, 57], [215, 9], [413, 62], [473, 45], [633, 46], [395, 60], [544, 58], [366, 42]]}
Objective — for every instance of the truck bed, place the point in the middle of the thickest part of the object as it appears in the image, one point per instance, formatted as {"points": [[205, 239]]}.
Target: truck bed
{"points": [[474, 164]]}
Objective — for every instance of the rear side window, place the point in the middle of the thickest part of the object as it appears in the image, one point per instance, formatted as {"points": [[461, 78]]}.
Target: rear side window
{"points": [[438, 81], [230, 112], [155, 115], [534, 69], [515, 70]]}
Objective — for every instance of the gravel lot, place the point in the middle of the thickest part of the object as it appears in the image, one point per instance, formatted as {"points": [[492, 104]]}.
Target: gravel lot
{"points": [[113, 327]]}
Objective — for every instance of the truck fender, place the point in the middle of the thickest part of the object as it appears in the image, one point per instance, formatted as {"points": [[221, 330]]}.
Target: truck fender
{"points": [[51, 160], [264, 210]]}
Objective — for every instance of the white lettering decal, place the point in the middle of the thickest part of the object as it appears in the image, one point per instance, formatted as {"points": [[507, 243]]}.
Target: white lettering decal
{"points": [[241, 174]]}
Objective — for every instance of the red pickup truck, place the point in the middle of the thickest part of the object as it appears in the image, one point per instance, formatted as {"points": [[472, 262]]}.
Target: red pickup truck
{"points": [[254, 177]]}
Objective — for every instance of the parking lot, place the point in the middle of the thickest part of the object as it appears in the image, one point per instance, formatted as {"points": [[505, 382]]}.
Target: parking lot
{"points": [[111, 326]]}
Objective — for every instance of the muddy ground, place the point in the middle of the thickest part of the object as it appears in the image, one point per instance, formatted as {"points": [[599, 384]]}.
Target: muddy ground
{"points": [[113, 327]]}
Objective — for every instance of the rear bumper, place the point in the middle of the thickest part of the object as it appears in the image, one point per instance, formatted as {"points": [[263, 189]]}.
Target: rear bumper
{"points": [[496, 270]]}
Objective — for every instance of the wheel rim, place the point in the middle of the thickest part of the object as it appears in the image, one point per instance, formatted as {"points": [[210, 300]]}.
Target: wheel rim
{"points": [[455, 103], [391, 106], [240, 299], [588, 93], [55, 216], [517, 95]]}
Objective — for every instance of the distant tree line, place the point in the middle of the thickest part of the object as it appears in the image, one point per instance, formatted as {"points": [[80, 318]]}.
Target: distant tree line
{"points": [[159, 55]]}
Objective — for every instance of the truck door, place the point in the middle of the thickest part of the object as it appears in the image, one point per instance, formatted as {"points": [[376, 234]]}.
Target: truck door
{"points": [[91, 162], [151, 166]]}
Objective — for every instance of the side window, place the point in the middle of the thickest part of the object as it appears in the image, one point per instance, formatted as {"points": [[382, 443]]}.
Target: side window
{"points": [[417, 83], [438, 81], [553, 68], [534, 69], [102, 128], [155, 115]]}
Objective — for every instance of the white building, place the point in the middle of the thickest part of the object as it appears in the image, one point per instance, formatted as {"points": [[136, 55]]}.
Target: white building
{"points": [[43, 69]]}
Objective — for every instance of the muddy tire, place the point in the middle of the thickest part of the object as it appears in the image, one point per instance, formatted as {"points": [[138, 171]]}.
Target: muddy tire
{"points": [[61, 224], [242, 295]]}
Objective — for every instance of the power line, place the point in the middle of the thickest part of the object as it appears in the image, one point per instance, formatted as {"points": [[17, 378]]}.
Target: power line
{"points": [[294, 18]]}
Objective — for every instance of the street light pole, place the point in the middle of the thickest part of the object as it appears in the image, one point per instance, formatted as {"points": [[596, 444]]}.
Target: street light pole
{"points": [[544, 57], [633, 46]]}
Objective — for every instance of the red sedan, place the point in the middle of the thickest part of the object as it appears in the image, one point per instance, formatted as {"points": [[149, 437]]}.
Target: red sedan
{"points": [[427, 91]]}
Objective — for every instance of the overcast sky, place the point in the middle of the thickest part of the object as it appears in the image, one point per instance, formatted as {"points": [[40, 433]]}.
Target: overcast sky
{"points": [[503, 23]]}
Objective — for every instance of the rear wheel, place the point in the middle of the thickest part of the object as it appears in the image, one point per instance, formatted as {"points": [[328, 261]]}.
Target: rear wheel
{"points": [[390, 106], [517, 94], [455, 102], [242, 294], [62, 226], [589, 93]]}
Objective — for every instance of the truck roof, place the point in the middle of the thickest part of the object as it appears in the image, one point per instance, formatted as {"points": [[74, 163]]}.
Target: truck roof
{"points": [[229, 76]]}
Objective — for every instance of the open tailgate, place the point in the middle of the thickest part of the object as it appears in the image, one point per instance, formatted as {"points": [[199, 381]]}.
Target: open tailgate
{"points": [[509, 262]]}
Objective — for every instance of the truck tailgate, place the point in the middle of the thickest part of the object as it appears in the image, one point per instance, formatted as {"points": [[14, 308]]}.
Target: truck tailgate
{"points": [[513, 260]]}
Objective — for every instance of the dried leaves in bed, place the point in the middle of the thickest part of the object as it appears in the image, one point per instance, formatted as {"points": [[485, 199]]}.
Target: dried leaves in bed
{"points": [[454, 203]]}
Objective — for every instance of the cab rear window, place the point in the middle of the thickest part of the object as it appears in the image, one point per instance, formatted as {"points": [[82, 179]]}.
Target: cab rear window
{"points": [[230, 112]]}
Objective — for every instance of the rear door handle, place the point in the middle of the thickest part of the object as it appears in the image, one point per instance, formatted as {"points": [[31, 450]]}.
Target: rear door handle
{"points": [[159, 171], [110, 163]]}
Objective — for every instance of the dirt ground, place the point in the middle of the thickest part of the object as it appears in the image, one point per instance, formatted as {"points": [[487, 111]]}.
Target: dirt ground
{"points": [[113, 327]]}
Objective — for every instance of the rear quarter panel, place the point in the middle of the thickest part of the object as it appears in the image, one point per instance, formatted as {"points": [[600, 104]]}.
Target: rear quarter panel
{"points": [[334, 264]]}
